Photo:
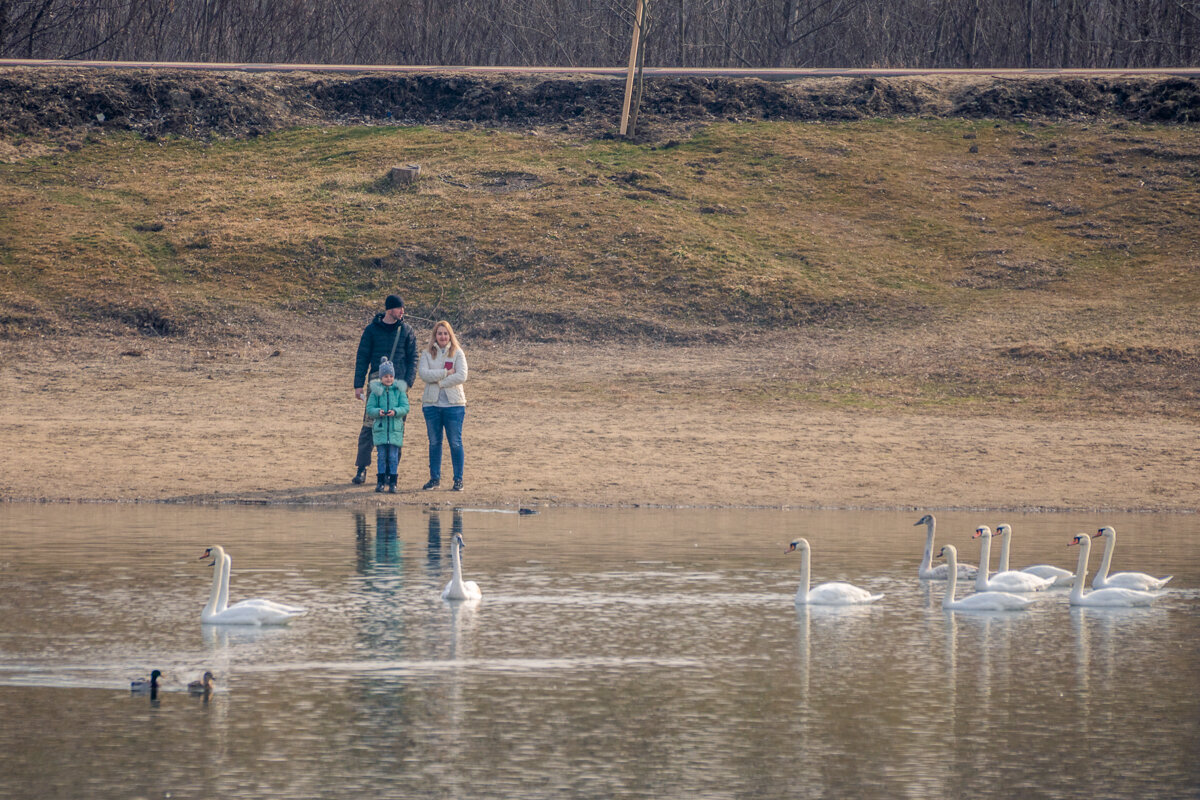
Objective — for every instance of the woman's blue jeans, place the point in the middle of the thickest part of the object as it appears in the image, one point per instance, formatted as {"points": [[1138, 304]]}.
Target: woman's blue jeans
{"points": [[450, 420]]}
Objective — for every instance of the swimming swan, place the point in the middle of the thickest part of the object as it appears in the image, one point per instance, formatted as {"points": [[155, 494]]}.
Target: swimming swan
{"points": [[1003, 581], [1112, 597], [248, 612], [826, 594], [257, 602], [457, 588], [1062, 577], [1122, 580], [982, 601], [928, 572]]}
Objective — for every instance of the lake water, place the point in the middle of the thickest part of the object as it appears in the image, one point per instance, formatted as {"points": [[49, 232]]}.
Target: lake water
{"points": [[637, 653]]}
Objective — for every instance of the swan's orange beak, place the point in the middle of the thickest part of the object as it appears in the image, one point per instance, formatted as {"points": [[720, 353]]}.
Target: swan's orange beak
{"points": [[1098, 533], [207, 554], [1075, 541], [790, 548]]}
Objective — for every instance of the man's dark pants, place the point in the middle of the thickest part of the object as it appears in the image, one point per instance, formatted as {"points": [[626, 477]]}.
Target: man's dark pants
{"points": [[365, 446]]}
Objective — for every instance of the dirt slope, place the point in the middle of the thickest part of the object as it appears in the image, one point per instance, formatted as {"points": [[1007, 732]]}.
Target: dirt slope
{"points": [[39, 101]]}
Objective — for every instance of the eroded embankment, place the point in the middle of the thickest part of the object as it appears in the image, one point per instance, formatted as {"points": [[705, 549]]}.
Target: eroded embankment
{"points": [[53, 100]]}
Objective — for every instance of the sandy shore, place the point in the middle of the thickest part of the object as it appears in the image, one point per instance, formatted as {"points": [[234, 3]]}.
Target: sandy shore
{"points": [[126, 419]]}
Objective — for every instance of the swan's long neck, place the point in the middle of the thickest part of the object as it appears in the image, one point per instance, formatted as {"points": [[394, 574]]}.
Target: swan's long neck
{"points": [[927, 559], [805, 559], [985, 556], [1005, 541], [1110, 544], [951, 577], [456, 577], [226, 568], [214, 595], [1085, 549]]}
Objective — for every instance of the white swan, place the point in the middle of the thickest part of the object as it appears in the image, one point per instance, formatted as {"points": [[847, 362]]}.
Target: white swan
{"points": [[1062, 577], [983, 601], [247, 612], [928, 572], [1111, 597], [254, 602], [457, 588], [826, 594], [1003, 581], [1122, 580]]}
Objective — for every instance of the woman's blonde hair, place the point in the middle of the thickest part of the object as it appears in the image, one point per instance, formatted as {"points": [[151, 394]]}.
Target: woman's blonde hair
{"points": [[433, 345]]}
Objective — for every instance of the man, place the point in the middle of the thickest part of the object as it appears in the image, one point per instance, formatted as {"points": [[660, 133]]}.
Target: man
{"points": [[387, 335]]}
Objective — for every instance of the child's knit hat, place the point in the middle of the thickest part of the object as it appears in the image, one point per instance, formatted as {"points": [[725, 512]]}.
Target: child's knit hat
{"points": [[386, 368]]}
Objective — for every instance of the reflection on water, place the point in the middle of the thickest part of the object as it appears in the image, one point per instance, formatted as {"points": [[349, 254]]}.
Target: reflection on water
{"points": [[633, 654]]}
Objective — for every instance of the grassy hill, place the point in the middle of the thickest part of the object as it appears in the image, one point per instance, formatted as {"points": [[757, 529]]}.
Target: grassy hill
{"points": [[1078, 241]]}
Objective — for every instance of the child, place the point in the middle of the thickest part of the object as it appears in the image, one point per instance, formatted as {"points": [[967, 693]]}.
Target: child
{"points": [[387, 407]]}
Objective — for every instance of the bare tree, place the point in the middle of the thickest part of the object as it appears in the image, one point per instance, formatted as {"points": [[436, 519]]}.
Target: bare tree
{"points": [[736, 33]]}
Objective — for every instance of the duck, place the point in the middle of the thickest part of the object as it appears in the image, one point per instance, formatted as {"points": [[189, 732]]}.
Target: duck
{"points": [[203, 686], [1062, 577], [981, 601], [835, 593], [927, 571], [1111, 597], [1122, 580], [143, 685], [1003, 581], [457, 588]]}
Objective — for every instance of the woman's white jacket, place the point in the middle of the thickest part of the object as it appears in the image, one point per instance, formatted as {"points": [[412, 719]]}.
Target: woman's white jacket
{"points": [[432, 370]]}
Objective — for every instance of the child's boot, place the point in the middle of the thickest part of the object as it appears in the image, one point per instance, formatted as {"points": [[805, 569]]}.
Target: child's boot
{"points": [[392, 483], [380, 481]]}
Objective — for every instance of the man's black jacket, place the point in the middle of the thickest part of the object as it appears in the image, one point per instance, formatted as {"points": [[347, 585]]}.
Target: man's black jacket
{"points": [[376, 343]]}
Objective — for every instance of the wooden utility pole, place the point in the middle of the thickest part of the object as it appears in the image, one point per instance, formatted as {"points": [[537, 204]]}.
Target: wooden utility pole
{"points": [[634, 58]]}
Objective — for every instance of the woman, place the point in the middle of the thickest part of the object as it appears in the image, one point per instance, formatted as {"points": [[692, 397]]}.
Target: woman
{"points": [[443, 367]]}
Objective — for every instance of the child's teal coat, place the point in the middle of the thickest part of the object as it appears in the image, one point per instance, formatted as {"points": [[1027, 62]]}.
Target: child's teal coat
{"points": [[387, 430]]}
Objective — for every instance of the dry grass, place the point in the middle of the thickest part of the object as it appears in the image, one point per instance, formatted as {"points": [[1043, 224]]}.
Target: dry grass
{"points": [[1055, 266]]}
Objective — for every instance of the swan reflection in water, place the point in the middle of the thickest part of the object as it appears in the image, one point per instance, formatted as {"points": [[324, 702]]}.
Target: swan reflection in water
{"points": [[1102, 637], [978, 659], [222, 638], [837, 628]]}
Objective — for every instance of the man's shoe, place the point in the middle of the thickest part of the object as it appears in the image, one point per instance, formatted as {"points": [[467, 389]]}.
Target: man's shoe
{"points": [[360, 476], [458, 487], [431, 484]]}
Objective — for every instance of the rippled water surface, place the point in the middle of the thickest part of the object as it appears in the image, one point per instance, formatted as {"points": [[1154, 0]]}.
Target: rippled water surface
{"points": [[615, 653]]}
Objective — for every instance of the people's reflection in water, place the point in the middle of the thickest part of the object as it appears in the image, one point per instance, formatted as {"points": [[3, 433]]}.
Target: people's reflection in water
{"points": [[387, 541], [380, 585], [382, 629], [433, 549], [362, 541], [384, 558]]}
